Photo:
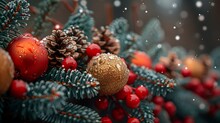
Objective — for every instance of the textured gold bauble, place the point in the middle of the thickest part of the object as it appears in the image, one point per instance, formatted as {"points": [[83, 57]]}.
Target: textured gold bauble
{"points": [[6, 71], [195, 66], [111, 72]]}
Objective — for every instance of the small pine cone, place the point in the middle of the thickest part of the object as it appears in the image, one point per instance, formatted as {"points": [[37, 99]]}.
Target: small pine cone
{"points": [[105, 39], [80, 39], [59, 46]]}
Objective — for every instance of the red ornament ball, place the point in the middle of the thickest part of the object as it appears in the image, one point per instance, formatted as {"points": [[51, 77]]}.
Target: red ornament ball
{"points": [[160, 68], [69, 63], [142, 92], [156, 120], [158, 100], [157, 109], [132, 101], [170, 108], [106, 120], [118, 114], [141, 59], [93, 50], [131, 78], [126, 90], [194, 83], [29, 56], [101, 103], [18, 88], [188, 119], [186, 72], [133, 120], [209, 84]]}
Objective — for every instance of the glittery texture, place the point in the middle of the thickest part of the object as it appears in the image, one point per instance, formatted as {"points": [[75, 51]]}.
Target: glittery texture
{"points": [[111, 72], [6, 71]]}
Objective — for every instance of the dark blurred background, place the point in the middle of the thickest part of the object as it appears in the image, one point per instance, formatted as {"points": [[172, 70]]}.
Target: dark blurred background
{"points": [[193, 24]]}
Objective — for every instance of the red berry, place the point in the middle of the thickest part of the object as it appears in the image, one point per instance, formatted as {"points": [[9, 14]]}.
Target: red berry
{"points": [[131, 78], [132, 101], [101, 103], [194, 83], [69, 63], [160, 68], [126, 90], [118, 114], [170, 108], [158, 100], [209, 84], [200, 90], [141, 92], [133, 120], [106, 120], [188, 119], [156, 120], [93, 50], [186, 72], [216, 92], [157, 110], [18, 88]]}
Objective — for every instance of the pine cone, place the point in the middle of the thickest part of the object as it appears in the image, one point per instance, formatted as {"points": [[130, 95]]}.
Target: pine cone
{"points": [[105, 39], [59, 46], [80, 39]]}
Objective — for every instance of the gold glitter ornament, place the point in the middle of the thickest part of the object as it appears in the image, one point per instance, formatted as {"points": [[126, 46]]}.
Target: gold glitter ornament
{"points": [[110, 71], [6, 71]]}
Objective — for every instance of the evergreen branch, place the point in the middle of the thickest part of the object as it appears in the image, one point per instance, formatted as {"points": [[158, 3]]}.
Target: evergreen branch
{"points": [[156, 82], [83, 20], [3, 4], [144, 113], [73, 113], [119, 27], [128, 41], [11, 18], [45, 8], [43, 98], [79, 85]]}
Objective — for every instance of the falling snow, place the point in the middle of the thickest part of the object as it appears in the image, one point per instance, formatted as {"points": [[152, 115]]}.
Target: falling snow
{"points": [[204, 28], [201, 17], [199, 4], [177, 37], [117, 3]]}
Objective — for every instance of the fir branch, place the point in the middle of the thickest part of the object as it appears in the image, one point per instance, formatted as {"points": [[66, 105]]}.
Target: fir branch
{"points": [[43, 98], [156, 82], [83, 20], [144, 113], [79, 85], [119, 27], [45, 8], [73, 113], [12, 17]]}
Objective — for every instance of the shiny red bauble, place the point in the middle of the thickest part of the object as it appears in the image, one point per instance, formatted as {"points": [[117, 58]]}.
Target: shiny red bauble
{"points": [[106, 120], [29, 56], [160, 68], [101, 103], [209, 84], [93, 50], [158, 100], [142, 92], [126, 90], [170, 108], [69, 63], [193, 84], [118, 114], [131, 78], [133, 120], [186, 72], [157, 109], [132, 101], [18, 88]]}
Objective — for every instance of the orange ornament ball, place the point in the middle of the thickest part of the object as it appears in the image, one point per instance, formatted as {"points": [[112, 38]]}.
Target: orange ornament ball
{"points": [[141, 59], [195, 66], [29, 56]]}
